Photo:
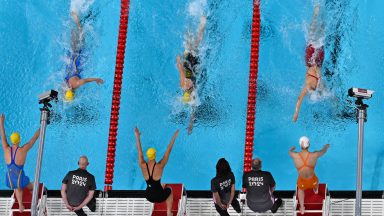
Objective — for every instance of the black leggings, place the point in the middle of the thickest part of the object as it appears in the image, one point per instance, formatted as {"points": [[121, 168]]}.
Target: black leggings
{"points": [[235, 204], [91, 205]]}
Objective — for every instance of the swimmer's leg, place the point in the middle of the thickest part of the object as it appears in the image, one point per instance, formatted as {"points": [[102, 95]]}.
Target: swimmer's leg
{"points": [[313, 27], [316, 189], [19, 195], [169, 202], [301, 195]]}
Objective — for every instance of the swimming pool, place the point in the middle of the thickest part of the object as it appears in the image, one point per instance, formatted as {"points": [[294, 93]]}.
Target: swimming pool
{"points": [[32, 51]]}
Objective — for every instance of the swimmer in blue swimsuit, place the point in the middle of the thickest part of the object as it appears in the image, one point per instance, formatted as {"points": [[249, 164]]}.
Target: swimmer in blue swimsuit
{"points": [[15, 157], [74, 68], [188, 67]]}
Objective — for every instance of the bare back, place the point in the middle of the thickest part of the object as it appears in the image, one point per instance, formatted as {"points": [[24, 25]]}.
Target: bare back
{"points": [[312, 78], [20, 158], [306, 163], [157, 172]]}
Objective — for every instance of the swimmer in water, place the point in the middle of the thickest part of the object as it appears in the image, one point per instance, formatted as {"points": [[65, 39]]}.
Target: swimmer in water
{"points": [[188, 69], [314, 56], [73, 78], [152, 172], [305, 163]]}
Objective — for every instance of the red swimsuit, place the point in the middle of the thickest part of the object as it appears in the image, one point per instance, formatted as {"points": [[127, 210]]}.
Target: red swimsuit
{"points": [[314, 56]]}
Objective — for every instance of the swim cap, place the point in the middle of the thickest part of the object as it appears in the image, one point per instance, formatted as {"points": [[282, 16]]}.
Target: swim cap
{"points": [[186, 97], [69, 95], [151, 153], [15, 138], [304, 142]]}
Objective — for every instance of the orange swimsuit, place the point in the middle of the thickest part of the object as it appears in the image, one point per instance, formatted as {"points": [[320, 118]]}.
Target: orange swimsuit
{"points": [[307, 183]]}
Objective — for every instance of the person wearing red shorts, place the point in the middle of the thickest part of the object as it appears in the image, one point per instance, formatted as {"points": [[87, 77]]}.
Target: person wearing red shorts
{"points": [[305, 163], [314, 56]]}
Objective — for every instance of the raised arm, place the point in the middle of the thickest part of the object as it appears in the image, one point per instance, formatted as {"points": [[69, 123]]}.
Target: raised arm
{"points": [[4, 142], [165, 158], [181, 71], [87, 80], [291, 151], [29, 144], [139, 149], [304, 91], [322, 151]]}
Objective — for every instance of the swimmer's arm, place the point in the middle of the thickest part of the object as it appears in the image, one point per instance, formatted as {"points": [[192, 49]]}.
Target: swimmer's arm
{"points": [[298, 103], [29, 144], [181, 71], [165, 158], [139, 149], [191, 120], [322, 151], [88, 80], [4, 141], [292, 151]]}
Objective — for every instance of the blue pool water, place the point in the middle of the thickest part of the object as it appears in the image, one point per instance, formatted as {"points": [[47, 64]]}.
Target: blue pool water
{"points": [[35, 36]]}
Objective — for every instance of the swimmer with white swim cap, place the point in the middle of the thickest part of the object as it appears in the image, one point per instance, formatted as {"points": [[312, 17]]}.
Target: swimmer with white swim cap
{"points": [[188, 68], [305, 163], [152, 172], [74, 68]]}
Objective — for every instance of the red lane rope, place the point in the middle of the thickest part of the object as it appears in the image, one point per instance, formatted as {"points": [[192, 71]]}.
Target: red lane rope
{"points": [[122, 38], [252, 87]]}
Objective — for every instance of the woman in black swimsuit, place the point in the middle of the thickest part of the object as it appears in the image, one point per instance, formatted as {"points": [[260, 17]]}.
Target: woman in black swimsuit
{"points": [[155, 191]]}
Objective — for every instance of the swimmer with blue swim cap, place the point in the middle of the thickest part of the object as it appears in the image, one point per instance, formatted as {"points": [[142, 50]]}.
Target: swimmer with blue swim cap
{"points": [[152, 172], [74, 68], [15, 157]]}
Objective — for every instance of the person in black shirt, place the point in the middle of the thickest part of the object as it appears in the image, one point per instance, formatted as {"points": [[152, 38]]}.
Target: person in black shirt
{"points": [[78, 189], [259, 186], [223, 188], [152, 172]]}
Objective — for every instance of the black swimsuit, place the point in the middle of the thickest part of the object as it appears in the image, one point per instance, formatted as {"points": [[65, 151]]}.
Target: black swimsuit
{"points": [[155, 193]]}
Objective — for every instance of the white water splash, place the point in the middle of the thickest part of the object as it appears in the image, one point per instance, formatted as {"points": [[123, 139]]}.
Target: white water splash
{"points": [[80, 6], [196, 8]]}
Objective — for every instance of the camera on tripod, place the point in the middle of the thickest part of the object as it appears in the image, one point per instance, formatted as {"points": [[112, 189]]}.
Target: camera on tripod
{"points": [[47, 97]]}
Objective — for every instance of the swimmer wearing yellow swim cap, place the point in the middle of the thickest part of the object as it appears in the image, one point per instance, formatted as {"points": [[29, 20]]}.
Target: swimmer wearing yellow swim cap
{"points": [[186, 97], [15, 138], [69, 95], [151, 154]]}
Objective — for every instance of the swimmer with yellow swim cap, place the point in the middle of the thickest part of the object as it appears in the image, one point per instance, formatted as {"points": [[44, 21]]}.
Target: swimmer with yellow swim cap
{"points": [[15, 157], [153, 171], [305, 163], [74, 68]]}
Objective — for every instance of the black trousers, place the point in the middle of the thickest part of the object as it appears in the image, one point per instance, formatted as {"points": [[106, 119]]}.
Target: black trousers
{"points": [[235, 204], [91, 205]]}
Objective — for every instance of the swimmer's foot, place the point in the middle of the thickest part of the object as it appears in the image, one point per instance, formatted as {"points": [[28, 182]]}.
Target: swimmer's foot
{"points": [[302, 210], [316, 190], [21, 208]]}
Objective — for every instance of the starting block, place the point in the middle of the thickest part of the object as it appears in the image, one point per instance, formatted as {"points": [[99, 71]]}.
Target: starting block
{"points": [[179, 206], [27, 202], [315, 204]]}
